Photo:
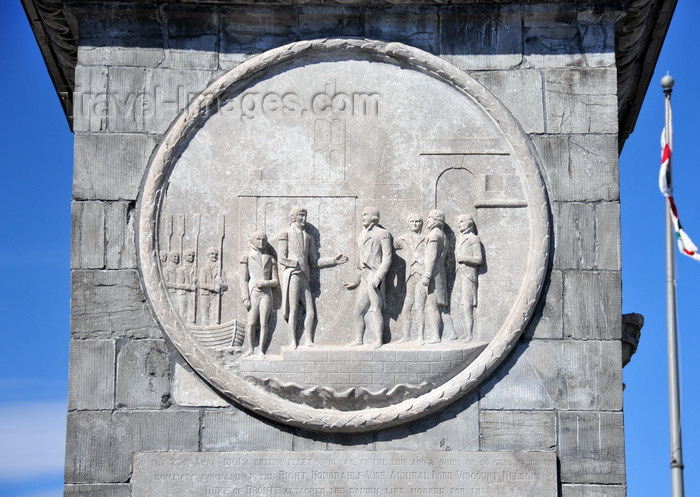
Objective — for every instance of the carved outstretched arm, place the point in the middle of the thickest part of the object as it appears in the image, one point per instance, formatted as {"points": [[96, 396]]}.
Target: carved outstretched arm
{"points": [[318, 262], [336, 260]]}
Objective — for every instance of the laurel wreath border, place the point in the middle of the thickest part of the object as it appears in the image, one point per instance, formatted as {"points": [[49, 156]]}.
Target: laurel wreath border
{"points": [[234, 387]]}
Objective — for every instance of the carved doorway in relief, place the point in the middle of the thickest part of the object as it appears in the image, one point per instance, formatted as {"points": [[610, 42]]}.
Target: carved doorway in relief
{"points": [[455, 192]]}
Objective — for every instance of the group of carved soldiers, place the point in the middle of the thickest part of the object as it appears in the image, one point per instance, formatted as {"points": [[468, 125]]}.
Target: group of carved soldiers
{"points": [[297, 254], [196, 293]]}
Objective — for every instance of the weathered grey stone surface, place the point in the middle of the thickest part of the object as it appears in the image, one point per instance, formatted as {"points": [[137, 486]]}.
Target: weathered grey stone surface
{"points": [[549, 322], [455, 428], [91, 373], [109, 304], [416, 29], [592, 305], [234, 429], [87, 243], [580, 101], [109, 29], [521, 92], [580, 231], [347, 473], [556, 374], [591, 447], [100, 444], [120, 56], [189, 390], [518, 430], [124, 106], [143, 375], [90, 100], [317, 21], [640, 39], [97, 490], [573, 39], [474, 41], [193, 39], [552, 66], [251, 31], [581, 168], [127, 156], [308, 440], [167, 92], [593, 491], [120, 252], [90, 454]]}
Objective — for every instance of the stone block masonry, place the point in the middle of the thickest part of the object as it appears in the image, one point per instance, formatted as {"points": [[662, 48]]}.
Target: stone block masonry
{"points": [[558, 393]]}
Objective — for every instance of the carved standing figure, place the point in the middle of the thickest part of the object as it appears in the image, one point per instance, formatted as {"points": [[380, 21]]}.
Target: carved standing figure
{"points": [[434, 278], [298, 253], [212, 282], [469, 256], [186, 281], [412, 244], [376, 248], [170, 271], [258, 274]]}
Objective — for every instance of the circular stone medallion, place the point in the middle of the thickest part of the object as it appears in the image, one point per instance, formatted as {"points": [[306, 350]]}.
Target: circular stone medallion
{"points": [[344, 235]]}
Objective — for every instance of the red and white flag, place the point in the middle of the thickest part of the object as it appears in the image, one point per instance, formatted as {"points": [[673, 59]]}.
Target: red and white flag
{"points": [[685, 244]]}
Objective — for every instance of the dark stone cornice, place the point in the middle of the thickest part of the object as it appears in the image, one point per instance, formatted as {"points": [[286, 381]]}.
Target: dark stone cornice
{"points": [[640, 35], [56, 34], [640, 32]]}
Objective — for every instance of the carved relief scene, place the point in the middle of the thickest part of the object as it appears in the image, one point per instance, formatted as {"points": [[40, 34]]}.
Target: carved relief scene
{"points": [[335, 228]]}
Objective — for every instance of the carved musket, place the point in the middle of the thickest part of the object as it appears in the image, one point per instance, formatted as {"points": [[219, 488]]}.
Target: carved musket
{"points": [[169, 232], [182, 238], [196, 260], [221, 266]]}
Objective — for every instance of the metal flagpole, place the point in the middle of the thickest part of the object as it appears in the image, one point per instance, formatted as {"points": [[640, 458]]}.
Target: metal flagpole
{"points": [[674, 402]]}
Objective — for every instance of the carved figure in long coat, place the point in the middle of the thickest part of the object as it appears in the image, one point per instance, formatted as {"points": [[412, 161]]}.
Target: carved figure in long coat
{"points": [[258, 274], [412, 245], [434, 277], [375, 250], [212, 282], [469, 256], [186, 281], [170, 271], [298, 254]]}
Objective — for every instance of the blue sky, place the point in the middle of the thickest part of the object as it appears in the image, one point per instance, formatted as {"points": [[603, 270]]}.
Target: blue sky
{"points": [[35, 194]]}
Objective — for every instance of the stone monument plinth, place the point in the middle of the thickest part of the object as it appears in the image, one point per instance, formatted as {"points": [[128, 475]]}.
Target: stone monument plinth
{"points": [[357, 248]]}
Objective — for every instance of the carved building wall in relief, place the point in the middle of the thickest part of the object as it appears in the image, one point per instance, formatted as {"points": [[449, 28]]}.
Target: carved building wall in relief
{"points": [[388, 134]]}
